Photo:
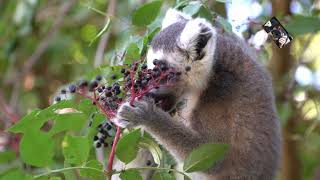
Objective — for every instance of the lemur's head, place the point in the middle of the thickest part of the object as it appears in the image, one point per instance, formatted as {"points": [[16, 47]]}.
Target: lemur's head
{"points": [[188, 45]]}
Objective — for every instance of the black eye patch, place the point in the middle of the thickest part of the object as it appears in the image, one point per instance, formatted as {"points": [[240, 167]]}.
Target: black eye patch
{"points": [[202, 41]]}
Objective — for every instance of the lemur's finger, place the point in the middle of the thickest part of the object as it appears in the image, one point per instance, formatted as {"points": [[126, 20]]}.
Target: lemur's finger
{"points": [[121, 122]]}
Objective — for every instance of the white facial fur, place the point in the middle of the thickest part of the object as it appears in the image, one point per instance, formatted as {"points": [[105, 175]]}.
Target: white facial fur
{"points": [[198, 77]]}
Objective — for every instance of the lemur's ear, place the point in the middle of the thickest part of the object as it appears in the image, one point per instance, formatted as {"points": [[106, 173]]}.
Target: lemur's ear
{"points": [[172, 16], [194, 38]]}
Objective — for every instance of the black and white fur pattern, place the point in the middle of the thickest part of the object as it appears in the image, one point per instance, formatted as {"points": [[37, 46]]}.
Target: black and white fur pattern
{"points": [[229, 100]]}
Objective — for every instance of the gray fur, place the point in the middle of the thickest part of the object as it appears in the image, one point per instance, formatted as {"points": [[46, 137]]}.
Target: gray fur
{"points": [[236, 107]]}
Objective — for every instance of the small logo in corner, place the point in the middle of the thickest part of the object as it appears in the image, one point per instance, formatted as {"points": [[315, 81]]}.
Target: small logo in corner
{"points": [[278, 33]]}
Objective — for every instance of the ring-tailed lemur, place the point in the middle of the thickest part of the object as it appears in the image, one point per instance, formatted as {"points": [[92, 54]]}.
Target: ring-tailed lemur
{"points": [[229, 99]]}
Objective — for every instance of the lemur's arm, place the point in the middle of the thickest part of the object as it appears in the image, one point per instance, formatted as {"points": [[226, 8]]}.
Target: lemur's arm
{"points": [[170, 133]]}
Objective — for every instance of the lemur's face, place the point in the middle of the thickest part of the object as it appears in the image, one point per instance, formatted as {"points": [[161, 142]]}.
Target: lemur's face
{"points": [[186, 44]]}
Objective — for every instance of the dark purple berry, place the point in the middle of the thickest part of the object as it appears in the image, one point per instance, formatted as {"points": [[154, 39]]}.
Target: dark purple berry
{"points": [[72, 88], [108, 94], [93, 85], [83, 83], [100, 90], [58, 98], [98, 145], [113, 76], [63, 91], [144, 83], [144, 66], [95, 138], [109, 88], [155, 61], [123, 70], [117, 91], [98, 77], [163, 67], [188, 68]]}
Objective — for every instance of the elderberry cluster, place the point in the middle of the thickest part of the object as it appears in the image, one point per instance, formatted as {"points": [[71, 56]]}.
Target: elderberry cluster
{"points": [[146, 79], [137, 81], [105, 129]]}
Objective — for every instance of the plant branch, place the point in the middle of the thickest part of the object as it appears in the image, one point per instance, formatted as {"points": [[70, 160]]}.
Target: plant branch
{"points": [[8, 111], [289, 89], [68, 169], [105, 37]]}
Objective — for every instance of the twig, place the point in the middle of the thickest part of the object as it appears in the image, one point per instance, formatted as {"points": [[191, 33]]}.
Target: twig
{"points": [[65, 8], [44, 44], [105, 37], [8, 112], [289, 89]]}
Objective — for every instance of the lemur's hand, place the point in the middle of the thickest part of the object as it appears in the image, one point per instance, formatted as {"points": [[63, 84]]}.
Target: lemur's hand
{"points": [[140, 114]]}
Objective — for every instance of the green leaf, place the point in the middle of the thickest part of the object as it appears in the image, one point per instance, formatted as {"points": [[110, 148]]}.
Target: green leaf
{"points": [[130, 175], [204, 157], [300, 25], [86, 107], [15, 174], [75, 149], [36, 148], [55, 178], [104, 29], [162, 176], [147, 13], [127, 147], [154, 149], [197, 9], [7, 156], [192, 8], [92, 173], [27, 122], [224, 23], [132, 54], [35, 120], [69, 121]]}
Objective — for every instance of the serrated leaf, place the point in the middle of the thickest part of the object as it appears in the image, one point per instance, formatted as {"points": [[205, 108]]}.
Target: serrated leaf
{"points": [[127, 147], [36, 148], [132, 53], [34, 120], [75, 149], [27, 122], [130, 175], [147, 13], [92, 173], [162, 176], [69, 121], [204, 157]]}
